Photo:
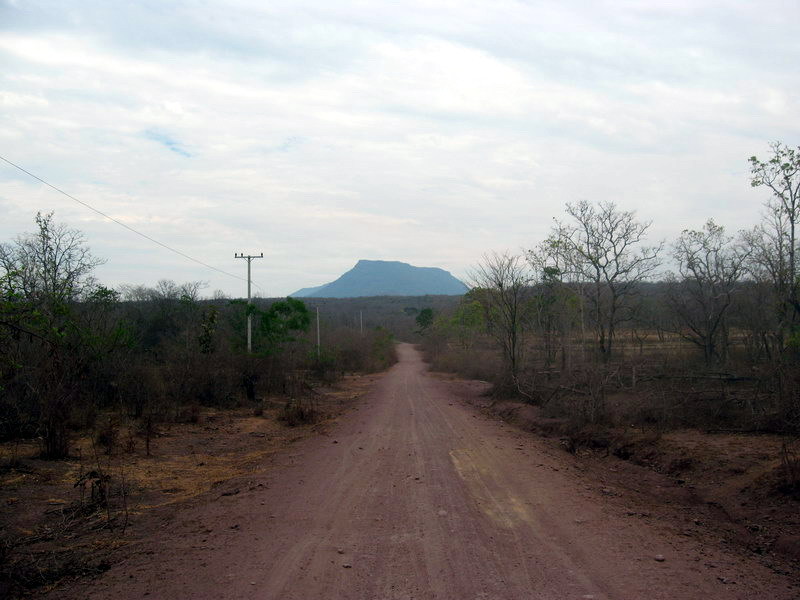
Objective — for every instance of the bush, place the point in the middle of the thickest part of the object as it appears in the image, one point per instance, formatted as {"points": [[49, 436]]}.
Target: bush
{"points": [[298, 412], [107, 435]]}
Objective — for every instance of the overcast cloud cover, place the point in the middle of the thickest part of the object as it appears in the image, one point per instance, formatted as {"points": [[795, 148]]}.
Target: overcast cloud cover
{"points": [[428, 132]]}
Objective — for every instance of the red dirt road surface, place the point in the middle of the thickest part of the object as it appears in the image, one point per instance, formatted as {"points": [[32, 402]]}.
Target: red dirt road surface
{"points": [[417, 495]]}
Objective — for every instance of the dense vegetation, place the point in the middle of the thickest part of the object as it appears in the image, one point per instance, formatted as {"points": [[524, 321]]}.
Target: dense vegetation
{"points": [[71, 349]]}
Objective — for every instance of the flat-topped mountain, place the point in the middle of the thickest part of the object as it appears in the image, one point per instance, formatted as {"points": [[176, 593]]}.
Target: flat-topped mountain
{"points": [[387, 278]]}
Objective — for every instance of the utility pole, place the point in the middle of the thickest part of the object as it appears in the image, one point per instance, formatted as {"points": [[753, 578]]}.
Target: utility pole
{"points": [[249, 259], [361, 321]]}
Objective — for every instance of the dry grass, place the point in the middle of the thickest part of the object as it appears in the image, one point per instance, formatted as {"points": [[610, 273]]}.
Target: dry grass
{"points": [[51, 529]]}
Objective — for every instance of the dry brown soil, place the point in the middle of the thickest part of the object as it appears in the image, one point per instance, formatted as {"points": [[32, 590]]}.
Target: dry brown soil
{"points": [[50, 531], [729, 487], [418, 494]]}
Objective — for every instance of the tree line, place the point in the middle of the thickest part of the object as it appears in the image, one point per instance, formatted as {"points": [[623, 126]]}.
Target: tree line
{"points": [[594, 295], [72, 348]]}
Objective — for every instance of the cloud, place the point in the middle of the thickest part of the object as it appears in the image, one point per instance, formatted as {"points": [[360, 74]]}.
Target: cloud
{"points": [[322, 133]]}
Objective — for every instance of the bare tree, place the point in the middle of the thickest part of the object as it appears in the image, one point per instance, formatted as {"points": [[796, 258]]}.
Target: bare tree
{"points": [[603, 244], [556, 307], [710, 265], [768, 269], [781, 174], [499, 283], [43, 274], [52, 264]]}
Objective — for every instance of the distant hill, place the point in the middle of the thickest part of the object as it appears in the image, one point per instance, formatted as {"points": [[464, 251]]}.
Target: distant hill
{"points": [[307, 292], [387, 278]]}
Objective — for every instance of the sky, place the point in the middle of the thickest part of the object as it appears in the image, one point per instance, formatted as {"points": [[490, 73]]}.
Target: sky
{"points": [[321, 133]]}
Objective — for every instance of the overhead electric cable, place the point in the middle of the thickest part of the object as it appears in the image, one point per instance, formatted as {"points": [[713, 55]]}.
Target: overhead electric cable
{"points": [[121, 224]]}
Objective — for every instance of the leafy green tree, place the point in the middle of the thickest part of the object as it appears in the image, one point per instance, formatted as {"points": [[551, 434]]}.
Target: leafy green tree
{"points": [[283, 321], [278, 325], [424, 320], [208, 328]]}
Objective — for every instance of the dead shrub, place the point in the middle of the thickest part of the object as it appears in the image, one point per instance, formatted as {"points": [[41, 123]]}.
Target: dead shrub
{"points": [[130, 440], [148, 430], [473, 363], [27, 570], [639, 448], [298, 412], [98, 486], [590, 437], [107, 435], [189, 414], [790, 465]]}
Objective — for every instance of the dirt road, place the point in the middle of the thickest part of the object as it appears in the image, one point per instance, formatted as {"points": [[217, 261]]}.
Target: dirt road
{"points": [[417, 495]]}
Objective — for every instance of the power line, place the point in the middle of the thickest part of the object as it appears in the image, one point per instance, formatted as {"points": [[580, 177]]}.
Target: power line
{"points": [[121, 224]]}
